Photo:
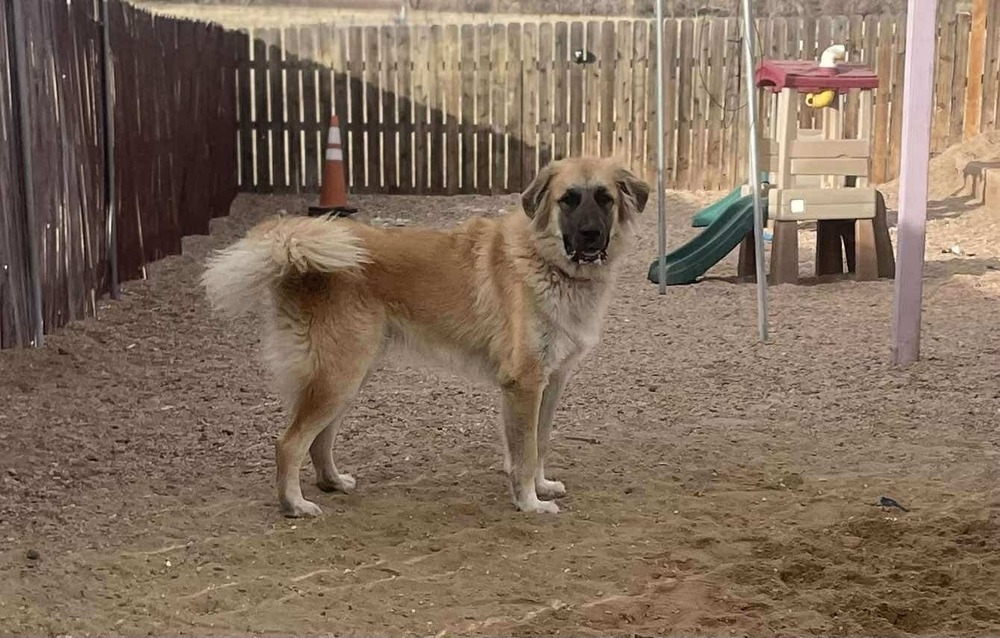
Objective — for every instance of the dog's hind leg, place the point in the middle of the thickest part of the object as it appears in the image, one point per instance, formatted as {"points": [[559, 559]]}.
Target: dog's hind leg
{"points": [[343, 359], [550, 399], [328, 478], [319, 405]]}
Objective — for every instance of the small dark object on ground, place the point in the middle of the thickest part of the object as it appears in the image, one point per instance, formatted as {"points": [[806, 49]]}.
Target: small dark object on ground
{"points": [[33, 554], [885, 501]]}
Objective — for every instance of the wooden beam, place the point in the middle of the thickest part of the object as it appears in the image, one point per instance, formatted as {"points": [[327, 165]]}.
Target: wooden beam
{"points": [[918, 110], [977, 64]]}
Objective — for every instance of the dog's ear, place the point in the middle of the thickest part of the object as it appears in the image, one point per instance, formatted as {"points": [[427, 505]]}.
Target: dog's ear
{"points": [[634, 191], [537, 191]]}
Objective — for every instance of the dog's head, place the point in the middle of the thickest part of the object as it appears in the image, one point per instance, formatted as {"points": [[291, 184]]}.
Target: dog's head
{"points": [[583, 208]]}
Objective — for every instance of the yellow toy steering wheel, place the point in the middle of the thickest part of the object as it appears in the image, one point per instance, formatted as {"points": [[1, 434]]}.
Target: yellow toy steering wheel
{"points": [[822, 99]]}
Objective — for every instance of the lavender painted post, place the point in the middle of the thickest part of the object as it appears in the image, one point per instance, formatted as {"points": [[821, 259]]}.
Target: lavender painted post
{"points": [[918, 110]]}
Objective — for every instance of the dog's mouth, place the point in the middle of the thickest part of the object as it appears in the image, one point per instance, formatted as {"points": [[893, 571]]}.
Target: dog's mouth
{"points": [[588, 257], [585, 256]]}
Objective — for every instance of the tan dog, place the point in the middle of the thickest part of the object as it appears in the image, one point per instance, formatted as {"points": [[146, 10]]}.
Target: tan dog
{"points": [[517, 300]]}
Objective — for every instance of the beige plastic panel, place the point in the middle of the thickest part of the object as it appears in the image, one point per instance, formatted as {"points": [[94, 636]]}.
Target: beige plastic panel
{"points": [[826, 166], [831, 149], [814, 204]]}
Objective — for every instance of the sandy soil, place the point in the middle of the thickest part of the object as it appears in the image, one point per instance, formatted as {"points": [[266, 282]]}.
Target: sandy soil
{"points": [[717, 486]]}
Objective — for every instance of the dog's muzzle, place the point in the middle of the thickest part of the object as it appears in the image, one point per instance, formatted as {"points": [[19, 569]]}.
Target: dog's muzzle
{"points": [[586, 254]]}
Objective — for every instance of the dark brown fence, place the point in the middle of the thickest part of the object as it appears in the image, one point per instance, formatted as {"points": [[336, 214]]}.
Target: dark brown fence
{"points": [[64, 141], [173, 118], [15, 280]]}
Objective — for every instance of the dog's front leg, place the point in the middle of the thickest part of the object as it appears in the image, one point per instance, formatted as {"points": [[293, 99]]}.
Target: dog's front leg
{"points": [[521, 405], [547, 412]]}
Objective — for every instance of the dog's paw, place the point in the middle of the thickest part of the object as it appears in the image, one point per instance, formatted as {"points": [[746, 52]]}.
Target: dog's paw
{"points": [[339, 483], [539, 507], [550, 489], [300, 509]]}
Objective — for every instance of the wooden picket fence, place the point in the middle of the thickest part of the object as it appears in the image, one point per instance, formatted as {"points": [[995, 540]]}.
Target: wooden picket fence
{"points": [[478, 108]]}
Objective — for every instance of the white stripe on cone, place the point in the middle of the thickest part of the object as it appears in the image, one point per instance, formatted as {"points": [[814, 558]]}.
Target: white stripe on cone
{"points": [[334, 154], [334, 136]]}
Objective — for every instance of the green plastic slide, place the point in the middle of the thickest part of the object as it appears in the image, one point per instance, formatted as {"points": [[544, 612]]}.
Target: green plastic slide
{"points": [[730, 225], [709, 214]]}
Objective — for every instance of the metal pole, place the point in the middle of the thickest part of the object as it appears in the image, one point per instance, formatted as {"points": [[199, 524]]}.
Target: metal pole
{"points": [[20, 37], [758, 204], [918, 113], [661, 211], [110, 194]]}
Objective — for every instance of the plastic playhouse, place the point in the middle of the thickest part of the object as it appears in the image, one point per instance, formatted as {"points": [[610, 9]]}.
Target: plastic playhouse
{"points": [[813, 175]]}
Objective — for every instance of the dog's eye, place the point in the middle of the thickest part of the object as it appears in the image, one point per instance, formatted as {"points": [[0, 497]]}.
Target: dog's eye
{"points": [[603, 198], [570, 199]]}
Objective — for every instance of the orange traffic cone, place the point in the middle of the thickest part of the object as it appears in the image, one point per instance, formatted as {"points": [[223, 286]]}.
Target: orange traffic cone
{"points": [[333, 196]]}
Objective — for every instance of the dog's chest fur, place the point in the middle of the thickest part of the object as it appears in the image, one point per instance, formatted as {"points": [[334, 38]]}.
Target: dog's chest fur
{"points": [[571, 315]]}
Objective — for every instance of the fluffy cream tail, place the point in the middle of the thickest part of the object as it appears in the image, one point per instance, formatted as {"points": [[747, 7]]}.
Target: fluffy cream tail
{"points": [[238, 277]]}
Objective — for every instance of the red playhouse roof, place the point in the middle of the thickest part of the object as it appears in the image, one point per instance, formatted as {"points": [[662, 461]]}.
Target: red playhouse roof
{"points": [[810, 76]]}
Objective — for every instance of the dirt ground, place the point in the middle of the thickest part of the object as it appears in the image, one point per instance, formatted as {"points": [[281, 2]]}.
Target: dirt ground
{"points": [[717, 486]]}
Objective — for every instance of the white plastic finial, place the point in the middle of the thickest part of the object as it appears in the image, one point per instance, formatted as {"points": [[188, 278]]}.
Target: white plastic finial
{"points": [[830, 56]]}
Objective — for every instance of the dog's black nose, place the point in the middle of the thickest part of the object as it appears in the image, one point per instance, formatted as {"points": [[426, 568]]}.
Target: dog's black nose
{"points": [[591, 238]]}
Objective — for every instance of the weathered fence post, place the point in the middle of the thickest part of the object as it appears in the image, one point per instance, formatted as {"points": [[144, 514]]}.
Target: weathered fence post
{"points": [[977, 64], [22, 105], [108, 120]]}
